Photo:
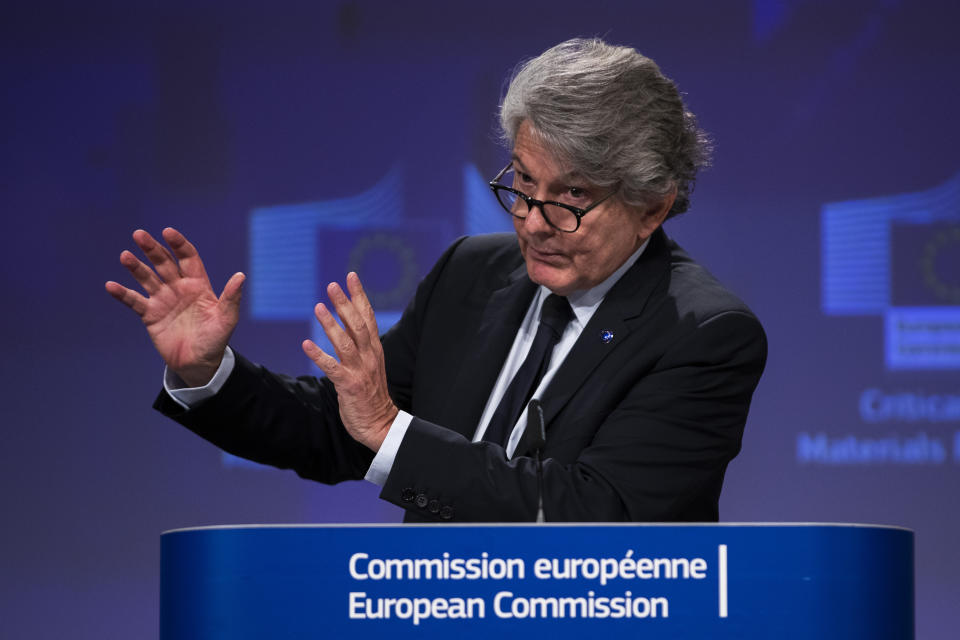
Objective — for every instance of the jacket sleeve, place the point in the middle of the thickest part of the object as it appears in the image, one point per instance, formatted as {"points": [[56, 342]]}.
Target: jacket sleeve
{"points": [[294, 423]]}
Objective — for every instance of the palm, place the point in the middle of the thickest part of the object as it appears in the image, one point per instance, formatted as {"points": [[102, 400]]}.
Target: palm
{"points": [[188, 324], [185, 323]]}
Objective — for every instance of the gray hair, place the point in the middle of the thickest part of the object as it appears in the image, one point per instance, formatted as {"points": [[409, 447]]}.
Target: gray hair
{"points": [[611, 114]]}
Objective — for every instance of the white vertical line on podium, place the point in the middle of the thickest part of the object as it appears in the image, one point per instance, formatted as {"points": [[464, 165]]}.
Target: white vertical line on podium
{"points": [[722, 577]]}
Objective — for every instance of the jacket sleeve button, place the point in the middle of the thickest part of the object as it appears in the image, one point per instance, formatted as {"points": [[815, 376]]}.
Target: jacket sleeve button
{"points": [[446, 512], [422, 500], [408, 494], [434, 506]]}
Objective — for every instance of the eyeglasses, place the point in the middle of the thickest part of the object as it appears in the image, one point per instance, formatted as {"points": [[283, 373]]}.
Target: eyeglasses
{"points": [[560, 216]]}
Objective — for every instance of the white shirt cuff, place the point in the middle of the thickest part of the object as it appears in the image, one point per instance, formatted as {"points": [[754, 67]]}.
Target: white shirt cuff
{"points": [[383, 461], [189, 397]]}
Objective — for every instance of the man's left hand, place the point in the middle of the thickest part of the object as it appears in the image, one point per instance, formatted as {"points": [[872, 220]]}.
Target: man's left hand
{"points": [[360, 376]]}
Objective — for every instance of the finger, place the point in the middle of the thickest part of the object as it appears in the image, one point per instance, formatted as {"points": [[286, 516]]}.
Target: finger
{"points": [[185, 252], [232, 292], [361, 301], [327, 363], [141, 272], [343, 344], [128, 297], [162, 261], [353, 321]]}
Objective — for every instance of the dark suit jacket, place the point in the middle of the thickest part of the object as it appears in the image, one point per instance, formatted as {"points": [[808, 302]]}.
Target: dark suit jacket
{"points": [[639, 428]]}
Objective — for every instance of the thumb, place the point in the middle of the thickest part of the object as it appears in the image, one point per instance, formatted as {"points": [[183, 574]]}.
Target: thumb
{"points": [[232, 291]]}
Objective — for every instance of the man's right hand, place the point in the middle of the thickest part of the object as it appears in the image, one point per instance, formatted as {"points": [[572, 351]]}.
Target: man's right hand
{"points": [[188, 324]]}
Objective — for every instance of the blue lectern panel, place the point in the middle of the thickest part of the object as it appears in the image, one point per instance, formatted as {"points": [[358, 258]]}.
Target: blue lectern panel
{"points": [[709, 581]]}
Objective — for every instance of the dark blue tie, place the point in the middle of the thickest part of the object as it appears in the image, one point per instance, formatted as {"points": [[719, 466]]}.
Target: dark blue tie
{"points": [[554, 316]]}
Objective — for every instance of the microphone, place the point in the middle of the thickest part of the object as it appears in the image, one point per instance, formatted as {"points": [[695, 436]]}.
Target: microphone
{"points": [[535, 436]]}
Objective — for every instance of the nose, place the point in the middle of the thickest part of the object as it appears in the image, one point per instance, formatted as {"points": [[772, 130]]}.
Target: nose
{"points": [[535, 222]]}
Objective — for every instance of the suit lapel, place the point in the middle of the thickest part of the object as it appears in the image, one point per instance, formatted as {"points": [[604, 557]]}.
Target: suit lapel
{"points": [[625, 300], [483, 359]]}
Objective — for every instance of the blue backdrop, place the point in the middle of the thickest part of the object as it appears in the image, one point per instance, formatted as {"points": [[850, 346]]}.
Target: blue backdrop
{"points": [[294, 141]]}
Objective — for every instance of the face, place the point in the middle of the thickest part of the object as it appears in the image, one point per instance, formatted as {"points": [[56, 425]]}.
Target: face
{"points": [[608, 234]]}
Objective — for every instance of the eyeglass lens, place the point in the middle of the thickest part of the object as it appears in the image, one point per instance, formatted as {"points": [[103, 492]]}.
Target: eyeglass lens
{"points": [[559, 217]]}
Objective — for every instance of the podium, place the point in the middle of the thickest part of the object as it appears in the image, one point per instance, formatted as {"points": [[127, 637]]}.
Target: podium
{"points": [[704, 581]]}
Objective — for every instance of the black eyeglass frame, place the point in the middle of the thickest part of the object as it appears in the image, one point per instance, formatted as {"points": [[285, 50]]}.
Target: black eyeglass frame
{"points": [[578, 213]]}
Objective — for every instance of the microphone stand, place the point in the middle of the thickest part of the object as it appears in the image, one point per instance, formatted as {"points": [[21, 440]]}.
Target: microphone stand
{"points": [[536, 431]]}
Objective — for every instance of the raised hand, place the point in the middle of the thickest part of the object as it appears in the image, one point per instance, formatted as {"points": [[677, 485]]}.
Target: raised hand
{"points": [[360, 376], [188, 324]]}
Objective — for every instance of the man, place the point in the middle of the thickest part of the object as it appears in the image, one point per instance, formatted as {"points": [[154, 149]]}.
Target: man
{"points": [[642, 363]]}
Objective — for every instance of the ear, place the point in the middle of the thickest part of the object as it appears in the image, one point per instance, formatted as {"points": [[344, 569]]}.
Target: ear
{"points": [[654, 216]]}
